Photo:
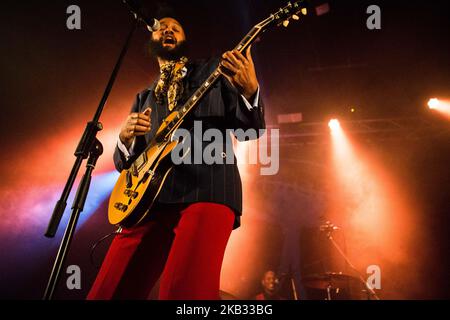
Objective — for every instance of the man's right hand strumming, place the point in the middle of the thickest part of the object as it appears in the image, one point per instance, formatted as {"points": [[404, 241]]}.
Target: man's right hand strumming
{"points": [[137, 124]]}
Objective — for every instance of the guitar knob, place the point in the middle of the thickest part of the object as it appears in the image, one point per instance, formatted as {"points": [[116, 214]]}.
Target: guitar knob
{"points": [[130, 193], [304, 11], [120, 206], [285, 23], [295, 17]]}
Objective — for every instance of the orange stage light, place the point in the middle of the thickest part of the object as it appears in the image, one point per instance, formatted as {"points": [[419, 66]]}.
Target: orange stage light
{"points": [[433, 103], [368, 202], [334, 125], [439, 105]]}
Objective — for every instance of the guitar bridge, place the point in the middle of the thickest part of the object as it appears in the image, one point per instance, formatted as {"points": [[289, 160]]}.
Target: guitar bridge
{"points": [[128, 178], [134, 170]]}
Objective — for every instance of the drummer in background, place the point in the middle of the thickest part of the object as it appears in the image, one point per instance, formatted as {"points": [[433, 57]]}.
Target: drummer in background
{"points": [[269, 284]]}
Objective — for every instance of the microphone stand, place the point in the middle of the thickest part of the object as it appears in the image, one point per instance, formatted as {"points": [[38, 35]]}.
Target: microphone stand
{"points": [[292, 287], [329, 228], [88, 147]]}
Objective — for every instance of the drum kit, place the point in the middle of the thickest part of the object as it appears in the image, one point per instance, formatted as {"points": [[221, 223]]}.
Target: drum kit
{"points": [[327, 285], [335, 286]]}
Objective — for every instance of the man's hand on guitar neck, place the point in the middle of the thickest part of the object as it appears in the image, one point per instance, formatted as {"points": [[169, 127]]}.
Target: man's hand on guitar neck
{"points": [[137, 124], [240, 72]]}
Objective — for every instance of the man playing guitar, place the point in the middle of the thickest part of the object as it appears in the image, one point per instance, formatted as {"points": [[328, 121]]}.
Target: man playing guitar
{"points": [[184, 240]]}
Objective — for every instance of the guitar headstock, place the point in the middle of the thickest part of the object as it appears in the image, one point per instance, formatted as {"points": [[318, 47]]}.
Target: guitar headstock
{"points": [[292, 11]]}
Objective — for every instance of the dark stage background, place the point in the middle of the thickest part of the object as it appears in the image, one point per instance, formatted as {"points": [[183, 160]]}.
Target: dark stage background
{"points": [[52, 79]]}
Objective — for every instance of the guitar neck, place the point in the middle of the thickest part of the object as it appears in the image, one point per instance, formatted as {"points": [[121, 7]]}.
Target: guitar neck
{"points": [[204, 88], [279, 17]]}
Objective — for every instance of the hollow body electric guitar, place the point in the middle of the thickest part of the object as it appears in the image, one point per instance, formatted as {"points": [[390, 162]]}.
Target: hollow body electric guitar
{"points": [[138, 187]]}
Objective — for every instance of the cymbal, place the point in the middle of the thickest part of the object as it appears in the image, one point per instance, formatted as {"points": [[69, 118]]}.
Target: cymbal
{"points": [[329, 280]]}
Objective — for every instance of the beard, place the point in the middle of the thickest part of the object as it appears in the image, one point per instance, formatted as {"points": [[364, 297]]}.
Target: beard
{"points": [[157, 50]]}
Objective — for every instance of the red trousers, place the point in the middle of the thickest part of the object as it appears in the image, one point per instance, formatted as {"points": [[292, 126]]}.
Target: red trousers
{"points": [[183, 245]]}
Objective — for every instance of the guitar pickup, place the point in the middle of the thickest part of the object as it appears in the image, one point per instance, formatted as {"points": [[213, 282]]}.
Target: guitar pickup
{"points": [[145, 177], [120, 206], [148, 174]]}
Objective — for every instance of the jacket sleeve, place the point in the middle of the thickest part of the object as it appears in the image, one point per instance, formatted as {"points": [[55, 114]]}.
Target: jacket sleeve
{"points": [[238, 114], [120, 160]]}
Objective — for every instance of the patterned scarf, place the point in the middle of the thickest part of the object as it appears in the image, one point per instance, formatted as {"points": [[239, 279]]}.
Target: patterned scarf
{"points": [[170, 83]]}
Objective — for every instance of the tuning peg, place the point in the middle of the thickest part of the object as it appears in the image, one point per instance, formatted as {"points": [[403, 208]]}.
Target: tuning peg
{"points": [[295, 17], [304, 11], [285, 23]]}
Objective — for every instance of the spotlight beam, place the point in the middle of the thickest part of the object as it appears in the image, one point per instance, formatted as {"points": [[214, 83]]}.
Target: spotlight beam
{"points": [[440, 106]]}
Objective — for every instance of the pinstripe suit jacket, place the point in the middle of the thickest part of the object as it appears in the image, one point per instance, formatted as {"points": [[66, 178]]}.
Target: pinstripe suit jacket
{"points": [[221, 108]]}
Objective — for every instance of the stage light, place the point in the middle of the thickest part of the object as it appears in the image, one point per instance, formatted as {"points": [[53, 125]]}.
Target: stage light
{"points": [[334, 125], [433, 103], [360, 196], [439, 105]]}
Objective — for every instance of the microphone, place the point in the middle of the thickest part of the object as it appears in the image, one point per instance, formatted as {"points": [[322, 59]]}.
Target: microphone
{"points": [[151, 23]]}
